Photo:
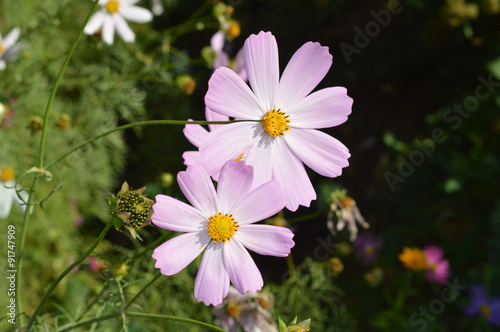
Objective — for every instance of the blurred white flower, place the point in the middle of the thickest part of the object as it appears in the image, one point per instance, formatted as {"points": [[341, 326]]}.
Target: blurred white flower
{"points": [[9, 47], [347, 213], [157, 7], [113, 15], [8, 195]]}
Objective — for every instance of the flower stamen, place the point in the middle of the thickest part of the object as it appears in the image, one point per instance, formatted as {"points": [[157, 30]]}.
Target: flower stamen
{"points": [[112, 6], [7, 174], [276, 123], [2, 48], [221, 228]]}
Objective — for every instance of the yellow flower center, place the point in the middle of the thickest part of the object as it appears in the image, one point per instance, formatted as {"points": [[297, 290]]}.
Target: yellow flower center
{"points": [[221, 228], [233, 310], [240, 158], [369, 249], [1, 48], [112, 6], [7, 174], [485, 310], [413, 258], [275, 123]]}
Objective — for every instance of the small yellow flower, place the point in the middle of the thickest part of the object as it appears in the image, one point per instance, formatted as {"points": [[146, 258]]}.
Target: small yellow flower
{"points": [[413, 258]]}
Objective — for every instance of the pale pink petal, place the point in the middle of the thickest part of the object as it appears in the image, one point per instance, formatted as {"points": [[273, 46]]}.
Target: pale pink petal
{"points": [[234, 183], [307, 67], [198, 188], [95, 23], [108, 29], [242, 271], [322, 109], [228, 95], [227, 142], [191, 157], [261, 203], [136, 14], [177, 253], [11, 38], [260, 157], [321, 152], [290, 173], [266, 239], [217, 41], [213, 116], [239, 65], [195, 133], [262, 66], [174, 215], [212, 281], [123, 29]]}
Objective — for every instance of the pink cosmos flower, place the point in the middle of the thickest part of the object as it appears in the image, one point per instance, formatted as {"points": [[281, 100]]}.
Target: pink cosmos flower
{"points": [[283, 135], [437, 267], [220, 224]]}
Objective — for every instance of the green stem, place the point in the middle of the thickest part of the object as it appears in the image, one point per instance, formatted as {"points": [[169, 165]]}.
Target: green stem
{"points": [[90, 321], [24, 228], [68, 270], [132, 300], [306, 217], [56, 85], [137, 124]]}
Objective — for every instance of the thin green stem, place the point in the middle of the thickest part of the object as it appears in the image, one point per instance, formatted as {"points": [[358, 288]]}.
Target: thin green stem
{"points": [[65, 272], [137, 124], [24, 228], [173, 318], [90, 321], [132, 300], [41, 152], [94, 301]]}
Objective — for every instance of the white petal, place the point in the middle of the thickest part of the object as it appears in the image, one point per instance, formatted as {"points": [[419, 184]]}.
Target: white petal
{"points": [[136, 14], [212, 281], [242, 271], [262, 66], [108, 29], [320, 151], [11, 39], [290, 173], [123, 29], [95, 23], [229, 95], [6, 198], [307, 67], [177, 253], [3, 64]]}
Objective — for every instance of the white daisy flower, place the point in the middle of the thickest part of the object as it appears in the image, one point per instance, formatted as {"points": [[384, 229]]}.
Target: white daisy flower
{"points": [[113, 16], [9, 47], [8, 195]]}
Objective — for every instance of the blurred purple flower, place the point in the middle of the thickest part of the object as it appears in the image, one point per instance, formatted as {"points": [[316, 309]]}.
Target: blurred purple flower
{"points": [[482, 306], [438, 268], [366, 247]]}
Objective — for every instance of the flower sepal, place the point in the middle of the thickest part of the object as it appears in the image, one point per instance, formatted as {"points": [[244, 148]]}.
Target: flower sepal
{"points": [[301, 326]]}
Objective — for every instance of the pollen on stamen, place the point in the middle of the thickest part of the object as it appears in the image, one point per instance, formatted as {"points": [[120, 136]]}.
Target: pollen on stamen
{"points": [[276, 122], [221, 228]]}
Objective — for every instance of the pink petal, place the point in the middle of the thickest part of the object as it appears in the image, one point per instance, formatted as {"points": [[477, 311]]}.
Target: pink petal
{"points": [[177, 253], [259, 204], [174, 215], [228, 95], [262, 66], [213, 116], [307, 67], [266, 239], [195, 133], [191, 157], [212, 281], [234, 183], [290, 173], [225, 143], [260, 157], [242, 271], [322, 109], [198, 188], [321, 152], [217, 41]]}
